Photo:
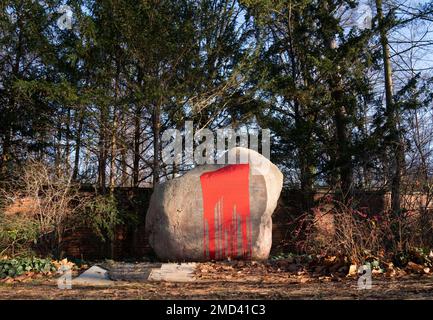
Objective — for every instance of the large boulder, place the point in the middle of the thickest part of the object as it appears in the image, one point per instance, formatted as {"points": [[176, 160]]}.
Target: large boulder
{"points": [[215, 212]]}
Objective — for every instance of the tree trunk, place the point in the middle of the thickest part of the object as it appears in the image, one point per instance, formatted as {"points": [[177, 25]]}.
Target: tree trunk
{"points": [[113, 151], [343, 157], [6, 152], [102, 159], [305, 161], [7, 140], [397, 162], [123, 159], [156, 142], [344, 154], [136, 162], [78, 146], [58, 159]]}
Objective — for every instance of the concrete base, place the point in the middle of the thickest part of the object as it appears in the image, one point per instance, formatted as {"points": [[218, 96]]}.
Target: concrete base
{"points": [[173, 272]]}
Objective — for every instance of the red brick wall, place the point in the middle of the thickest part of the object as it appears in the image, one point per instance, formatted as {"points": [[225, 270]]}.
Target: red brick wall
{"points": [[292, 205], [131, 242]]}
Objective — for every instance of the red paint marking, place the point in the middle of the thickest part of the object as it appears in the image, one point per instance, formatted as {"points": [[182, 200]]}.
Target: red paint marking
{"points": [[226, 206]]}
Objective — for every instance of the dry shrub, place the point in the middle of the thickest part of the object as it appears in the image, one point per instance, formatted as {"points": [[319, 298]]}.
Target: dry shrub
{"points": [[335, 228], [49, 202]]}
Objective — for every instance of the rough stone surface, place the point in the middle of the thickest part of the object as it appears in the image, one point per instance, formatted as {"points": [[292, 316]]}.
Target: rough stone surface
{"points": [[94, 276], [174, 221]]}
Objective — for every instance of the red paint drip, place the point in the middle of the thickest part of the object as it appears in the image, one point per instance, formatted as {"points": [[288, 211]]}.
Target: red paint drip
{"points": [[226, 206]]}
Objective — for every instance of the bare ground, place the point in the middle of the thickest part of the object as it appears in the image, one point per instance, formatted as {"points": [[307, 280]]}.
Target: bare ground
{"points": [[225, 285]]}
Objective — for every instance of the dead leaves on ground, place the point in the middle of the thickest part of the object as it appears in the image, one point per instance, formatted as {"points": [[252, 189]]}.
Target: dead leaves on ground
{"points": [[63, 264], [301, 269], [25, 277], [416, 268]]}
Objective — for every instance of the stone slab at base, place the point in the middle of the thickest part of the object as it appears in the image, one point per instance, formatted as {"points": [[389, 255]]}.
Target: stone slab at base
{"points": [[174, 272]]}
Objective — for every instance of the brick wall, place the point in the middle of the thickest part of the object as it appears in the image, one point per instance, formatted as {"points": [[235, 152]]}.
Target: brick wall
{"points": [[130, 241]]}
